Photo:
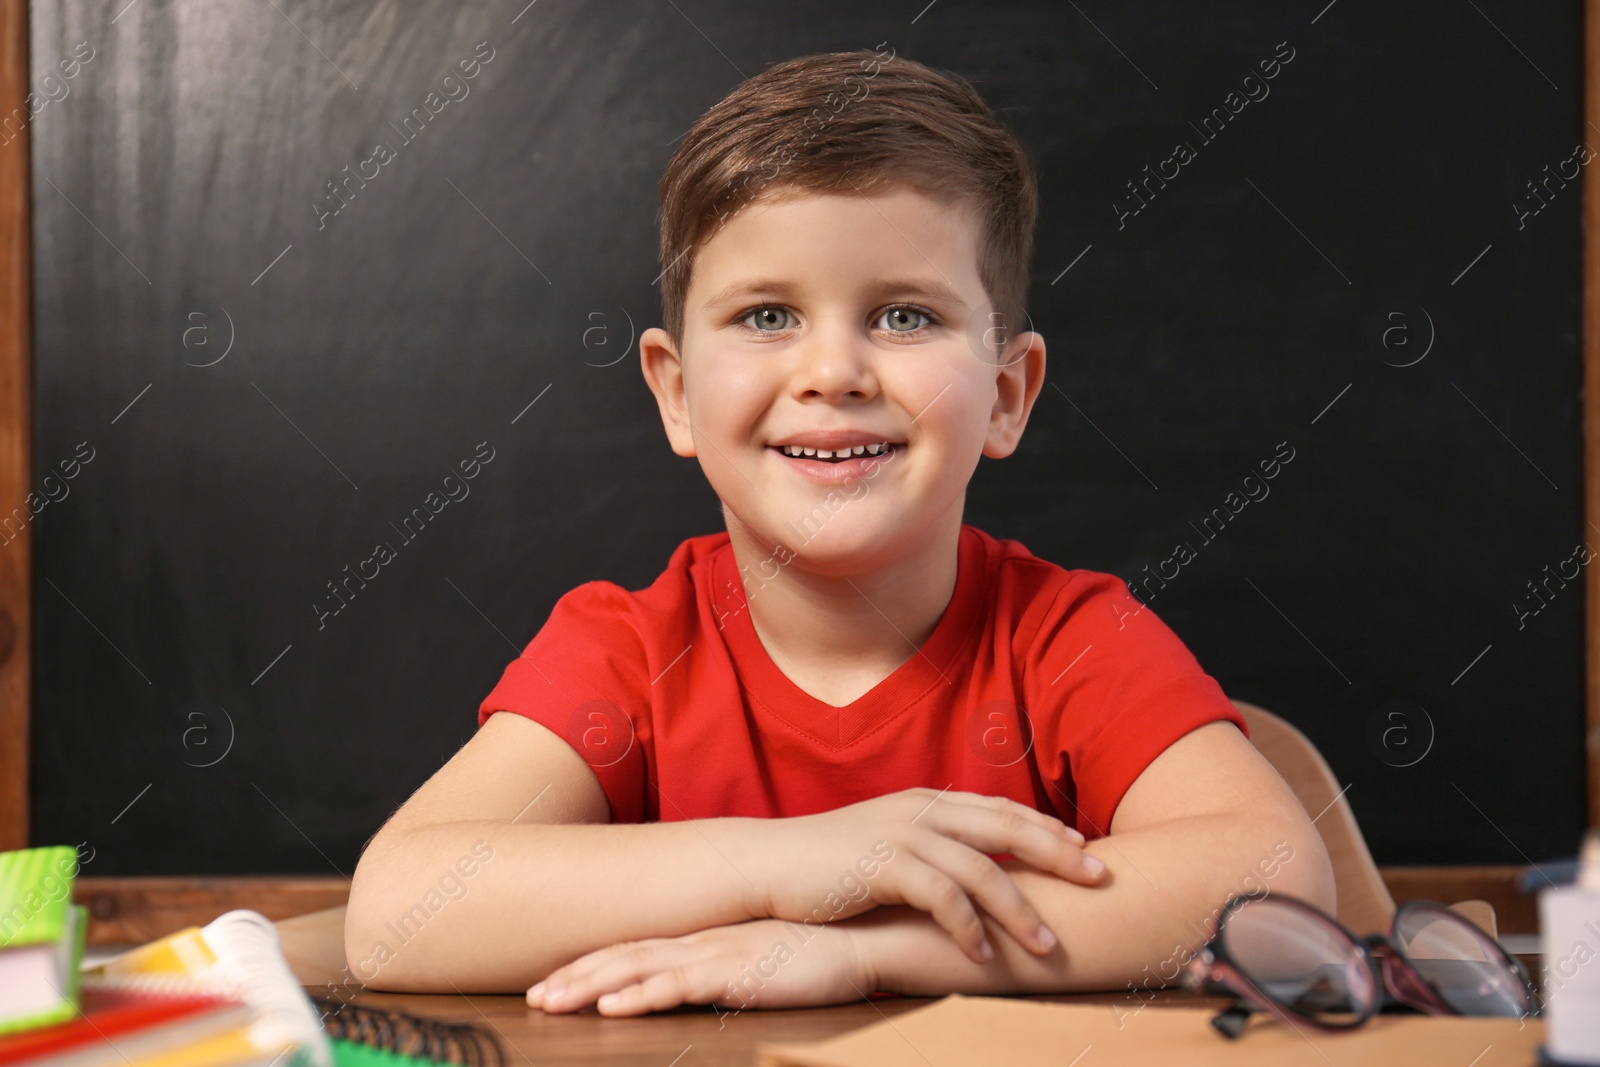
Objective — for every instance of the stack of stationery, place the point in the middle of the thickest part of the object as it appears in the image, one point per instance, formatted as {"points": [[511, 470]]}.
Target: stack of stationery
{"points": [[219, 995], [48, 1016]]}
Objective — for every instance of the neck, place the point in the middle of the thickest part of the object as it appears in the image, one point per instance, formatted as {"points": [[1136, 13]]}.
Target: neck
{"points": [[875, 611]]}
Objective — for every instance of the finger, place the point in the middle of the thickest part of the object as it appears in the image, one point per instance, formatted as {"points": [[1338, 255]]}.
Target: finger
{"points": [[629, 965], [578, 983], [626, 1001], [541, 991], [1010, 831], [659, 992], [929, 889], [1000, 804], [568, 973], [988, 886], [1045, 819]]}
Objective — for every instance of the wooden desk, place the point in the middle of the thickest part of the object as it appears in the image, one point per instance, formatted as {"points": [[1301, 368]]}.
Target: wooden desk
{"points": [[694, 1037], [686, 1037]]}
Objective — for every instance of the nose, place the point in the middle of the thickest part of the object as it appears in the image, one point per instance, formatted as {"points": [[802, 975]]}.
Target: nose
{"points": [[832, 363]]}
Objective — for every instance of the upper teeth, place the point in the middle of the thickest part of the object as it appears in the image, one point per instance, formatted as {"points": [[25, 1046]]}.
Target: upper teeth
{"points": [[838, 453]]}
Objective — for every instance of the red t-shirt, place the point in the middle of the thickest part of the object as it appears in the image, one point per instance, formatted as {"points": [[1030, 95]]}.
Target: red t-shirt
{"points": [[1053, 687]]}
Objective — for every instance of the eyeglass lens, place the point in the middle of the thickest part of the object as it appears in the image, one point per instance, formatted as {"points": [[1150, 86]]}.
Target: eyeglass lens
{"points": [[1301, 961], [1459, 962]]}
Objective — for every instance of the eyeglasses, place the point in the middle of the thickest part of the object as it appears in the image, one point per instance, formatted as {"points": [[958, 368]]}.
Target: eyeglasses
{"points": [[1283, 956]]}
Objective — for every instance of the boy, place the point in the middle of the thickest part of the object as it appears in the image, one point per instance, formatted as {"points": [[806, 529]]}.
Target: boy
{"points": [[850, 744]]}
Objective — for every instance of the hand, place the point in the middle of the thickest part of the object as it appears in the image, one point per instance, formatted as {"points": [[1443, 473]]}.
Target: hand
{"points": [[766, 964], [921, 847]]}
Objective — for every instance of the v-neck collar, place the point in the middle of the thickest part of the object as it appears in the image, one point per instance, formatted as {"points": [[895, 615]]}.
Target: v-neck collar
{"points": [[930, 665]]}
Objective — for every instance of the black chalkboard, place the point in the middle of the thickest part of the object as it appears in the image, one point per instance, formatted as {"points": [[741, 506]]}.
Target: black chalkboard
{"points": [[1365, 257]]}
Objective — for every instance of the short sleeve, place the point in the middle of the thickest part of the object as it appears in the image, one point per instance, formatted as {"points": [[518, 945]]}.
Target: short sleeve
{"points": [[1108, 687], [581, 677]]}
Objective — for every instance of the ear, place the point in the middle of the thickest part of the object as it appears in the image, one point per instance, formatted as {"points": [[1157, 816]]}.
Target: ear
{"points": [[1019, 377], [663, 372]]}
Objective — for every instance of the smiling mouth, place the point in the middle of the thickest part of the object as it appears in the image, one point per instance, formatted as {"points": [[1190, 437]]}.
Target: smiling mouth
{"points": [[889, 449]]}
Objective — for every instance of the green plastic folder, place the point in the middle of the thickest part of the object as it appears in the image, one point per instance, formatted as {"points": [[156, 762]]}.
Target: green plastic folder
{"points": [[355, 1054], [42, 935]]}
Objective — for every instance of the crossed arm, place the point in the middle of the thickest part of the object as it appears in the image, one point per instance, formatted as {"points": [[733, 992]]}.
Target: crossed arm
{"points": [[661, 914], [1176, 851]]}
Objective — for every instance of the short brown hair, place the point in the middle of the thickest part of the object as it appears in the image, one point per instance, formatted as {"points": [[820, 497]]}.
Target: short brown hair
{"points": [[852, 121]]}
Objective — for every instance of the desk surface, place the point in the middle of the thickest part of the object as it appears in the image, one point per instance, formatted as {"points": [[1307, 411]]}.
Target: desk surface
{"points": [[687, 1037], [694, 1036]]}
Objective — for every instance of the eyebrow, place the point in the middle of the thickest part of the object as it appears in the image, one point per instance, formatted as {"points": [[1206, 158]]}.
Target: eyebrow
{"points": [[927, 288]]}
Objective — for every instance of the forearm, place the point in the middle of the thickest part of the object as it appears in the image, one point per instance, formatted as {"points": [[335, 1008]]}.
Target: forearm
{"points": [[1166, 884], [537, 897]]}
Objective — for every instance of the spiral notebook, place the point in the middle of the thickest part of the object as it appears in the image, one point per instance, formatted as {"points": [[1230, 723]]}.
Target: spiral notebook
{"points": [[235, 955]]}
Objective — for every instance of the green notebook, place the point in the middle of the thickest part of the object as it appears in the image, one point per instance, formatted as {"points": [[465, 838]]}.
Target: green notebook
{"points": [[41, 937]]}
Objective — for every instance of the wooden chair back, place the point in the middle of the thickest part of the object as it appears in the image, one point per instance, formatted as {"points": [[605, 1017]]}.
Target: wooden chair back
{"points": [[1364, 903]]}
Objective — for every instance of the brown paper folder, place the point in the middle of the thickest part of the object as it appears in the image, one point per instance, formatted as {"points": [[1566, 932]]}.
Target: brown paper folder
{"points": [[984, 1031]]}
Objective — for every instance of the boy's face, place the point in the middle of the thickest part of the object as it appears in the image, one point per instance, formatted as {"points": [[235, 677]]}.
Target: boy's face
{"points": [[823, 313]]}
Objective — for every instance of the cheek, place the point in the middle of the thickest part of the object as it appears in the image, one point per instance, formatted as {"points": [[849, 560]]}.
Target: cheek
{"points": [[727, 391], [728, 396], [954, 396]]}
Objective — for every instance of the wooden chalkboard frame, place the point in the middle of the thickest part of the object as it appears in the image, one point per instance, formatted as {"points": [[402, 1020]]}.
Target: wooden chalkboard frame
{"points": [[136, 909], [16, 395]]}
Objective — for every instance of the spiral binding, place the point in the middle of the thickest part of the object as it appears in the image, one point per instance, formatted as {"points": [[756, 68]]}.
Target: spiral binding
{"points": [[246, 944], [411, 1035]]}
